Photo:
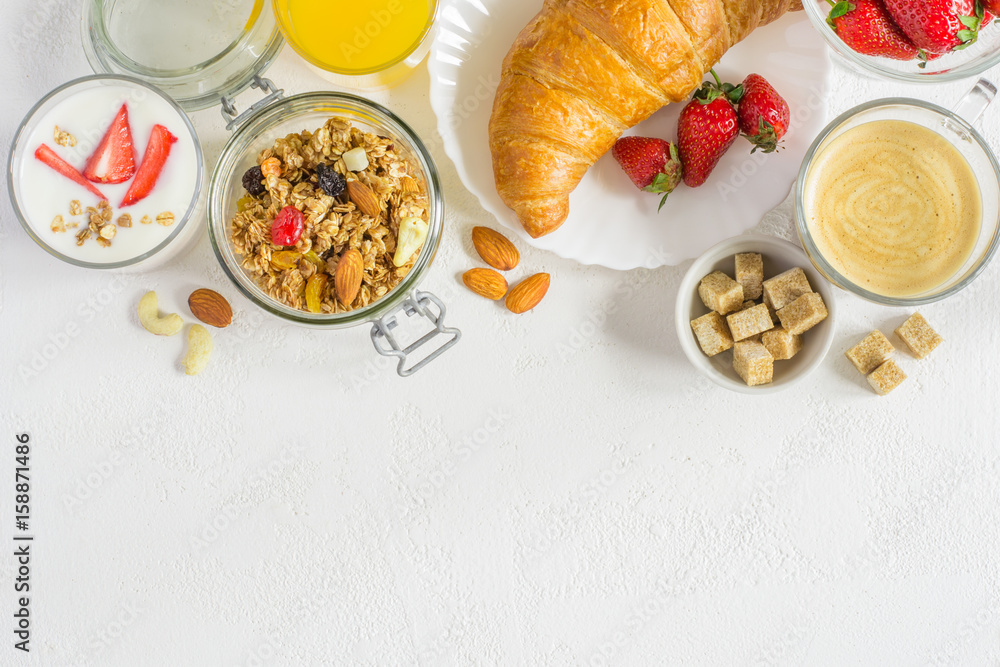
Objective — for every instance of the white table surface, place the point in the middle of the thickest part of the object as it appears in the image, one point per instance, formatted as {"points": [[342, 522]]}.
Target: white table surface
{"points": [[560, 488]]}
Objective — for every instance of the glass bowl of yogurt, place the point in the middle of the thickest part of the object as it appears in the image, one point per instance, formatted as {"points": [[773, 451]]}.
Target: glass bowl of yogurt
{"points": [[898, 200], [53, 208]]}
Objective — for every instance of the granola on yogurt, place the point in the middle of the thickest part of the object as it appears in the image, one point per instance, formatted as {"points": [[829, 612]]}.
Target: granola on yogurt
{"points": [[304, 209]]}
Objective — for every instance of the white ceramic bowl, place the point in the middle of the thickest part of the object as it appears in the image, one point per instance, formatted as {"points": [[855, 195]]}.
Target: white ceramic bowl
{"points": [[779, 255]]}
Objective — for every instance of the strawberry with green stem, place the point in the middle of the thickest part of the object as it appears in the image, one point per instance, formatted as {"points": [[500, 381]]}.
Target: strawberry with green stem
{"points": [[707, 128], [652, 164], [867, 28], [938, 26], [763, 114]]}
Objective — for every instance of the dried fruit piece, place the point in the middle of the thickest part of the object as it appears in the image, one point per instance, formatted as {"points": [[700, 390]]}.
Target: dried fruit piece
{"points": [[528, 293], [315, 260], [157, 152], [347, 279], [285, 259], [412, 234], [253, 182], [495, 248], [330, 181], [315, 290], [485, 282], [199, 350], [364, 199], [48, 157], [149, 315], [270, 167], [210, 307], [356, 159], [113, 161], [286, 230], [243, 203]]}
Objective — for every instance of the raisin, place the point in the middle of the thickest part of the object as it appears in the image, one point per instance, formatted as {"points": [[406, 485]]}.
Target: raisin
{"points": [[253, 181], [315, 291], [330, 181]]}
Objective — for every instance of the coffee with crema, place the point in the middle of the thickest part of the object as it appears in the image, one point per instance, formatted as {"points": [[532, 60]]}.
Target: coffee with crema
{"points": [[893, 206]]}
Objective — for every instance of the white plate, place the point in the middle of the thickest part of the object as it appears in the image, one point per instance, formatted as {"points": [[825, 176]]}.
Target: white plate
{"points": [[610, 222]]}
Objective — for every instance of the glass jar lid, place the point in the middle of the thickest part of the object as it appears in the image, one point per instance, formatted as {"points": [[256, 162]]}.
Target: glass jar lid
{"points": [[196, 52]]}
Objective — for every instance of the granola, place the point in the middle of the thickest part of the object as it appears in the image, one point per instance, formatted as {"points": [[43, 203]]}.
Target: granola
{"points": [[63, 138], [332, 224]]}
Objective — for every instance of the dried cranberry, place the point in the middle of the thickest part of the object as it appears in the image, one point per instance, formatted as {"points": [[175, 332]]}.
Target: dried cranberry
{"points": [[287, 228]]}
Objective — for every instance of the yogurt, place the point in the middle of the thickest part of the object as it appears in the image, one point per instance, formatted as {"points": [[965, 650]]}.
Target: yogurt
{"points": [[85, 109]]}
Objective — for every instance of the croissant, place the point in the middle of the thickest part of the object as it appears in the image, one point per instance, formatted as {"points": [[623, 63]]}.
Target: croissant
{"points": [[584, 71]]}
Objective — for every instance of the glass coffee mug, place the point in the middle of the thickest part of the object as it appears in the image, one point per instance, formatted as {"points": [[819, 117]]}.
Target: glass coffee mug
{"points": [[867, 228]]}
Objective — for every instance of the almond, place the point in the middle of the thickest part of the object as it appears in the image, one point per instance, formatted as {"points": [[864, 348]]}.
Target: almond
{"points": [[364, 198], [495, 249], [528, 293], [210, 307], [347, 279], [485, 282], [409, 184]]}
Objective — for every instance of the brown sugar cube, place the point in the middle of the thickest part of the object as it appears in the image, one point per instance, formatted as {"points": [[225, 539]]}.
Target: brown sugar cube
{"points": [[753, 363], [750, 274], [874, 350], [712, 334], [781, 344], [748, 304], [720, 293], [918, 335], [786, 287], [749, 322], [886, 377], [803, 314]]}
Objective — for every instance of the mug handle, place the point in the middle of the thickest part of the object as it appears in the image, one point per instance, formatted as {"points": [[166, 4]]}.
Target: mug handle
{"points": [[971, 107]]}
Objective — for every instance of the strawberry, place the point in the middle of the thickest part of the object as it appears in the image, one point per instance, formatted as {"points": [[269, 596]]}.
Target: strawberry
{"points": [[48, 157], [866, 27], [763, 114], [652, 164], [708, 126], [938, 26], [114, 159], [157, 151]]}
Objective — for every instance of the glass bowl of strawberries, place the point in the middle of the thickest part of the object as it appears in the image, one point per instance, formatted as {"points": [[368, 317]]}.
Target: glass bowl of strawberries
{"points": [[909, 40]]}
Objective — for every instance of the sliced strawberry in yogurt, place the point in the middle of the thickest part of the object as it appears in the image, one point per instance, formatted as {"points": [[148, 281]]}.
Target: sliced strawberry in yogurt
{"points": [[114, 159], [157, 151], [49, 158]]}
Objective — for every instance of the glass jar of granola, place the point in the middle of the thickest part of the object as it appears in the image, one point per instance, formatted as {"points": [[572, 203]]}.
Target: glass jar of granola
{"points": [[314, 153]]}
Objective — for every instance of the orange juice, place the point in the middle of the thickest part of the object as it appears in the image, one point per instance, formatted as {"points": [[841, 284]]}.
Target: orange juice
{"points": [[355, 36]]}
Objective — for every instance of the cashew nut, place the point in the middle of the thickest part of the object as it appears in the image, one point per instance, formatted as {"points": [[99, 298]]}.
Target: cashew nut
{"points": [[149, 317], [199, 350]]}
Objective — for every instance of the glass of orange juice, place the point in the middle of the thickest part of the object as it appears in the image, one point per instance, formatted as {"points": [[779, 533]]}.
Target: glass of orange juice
{"points": [[362, 44]]}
